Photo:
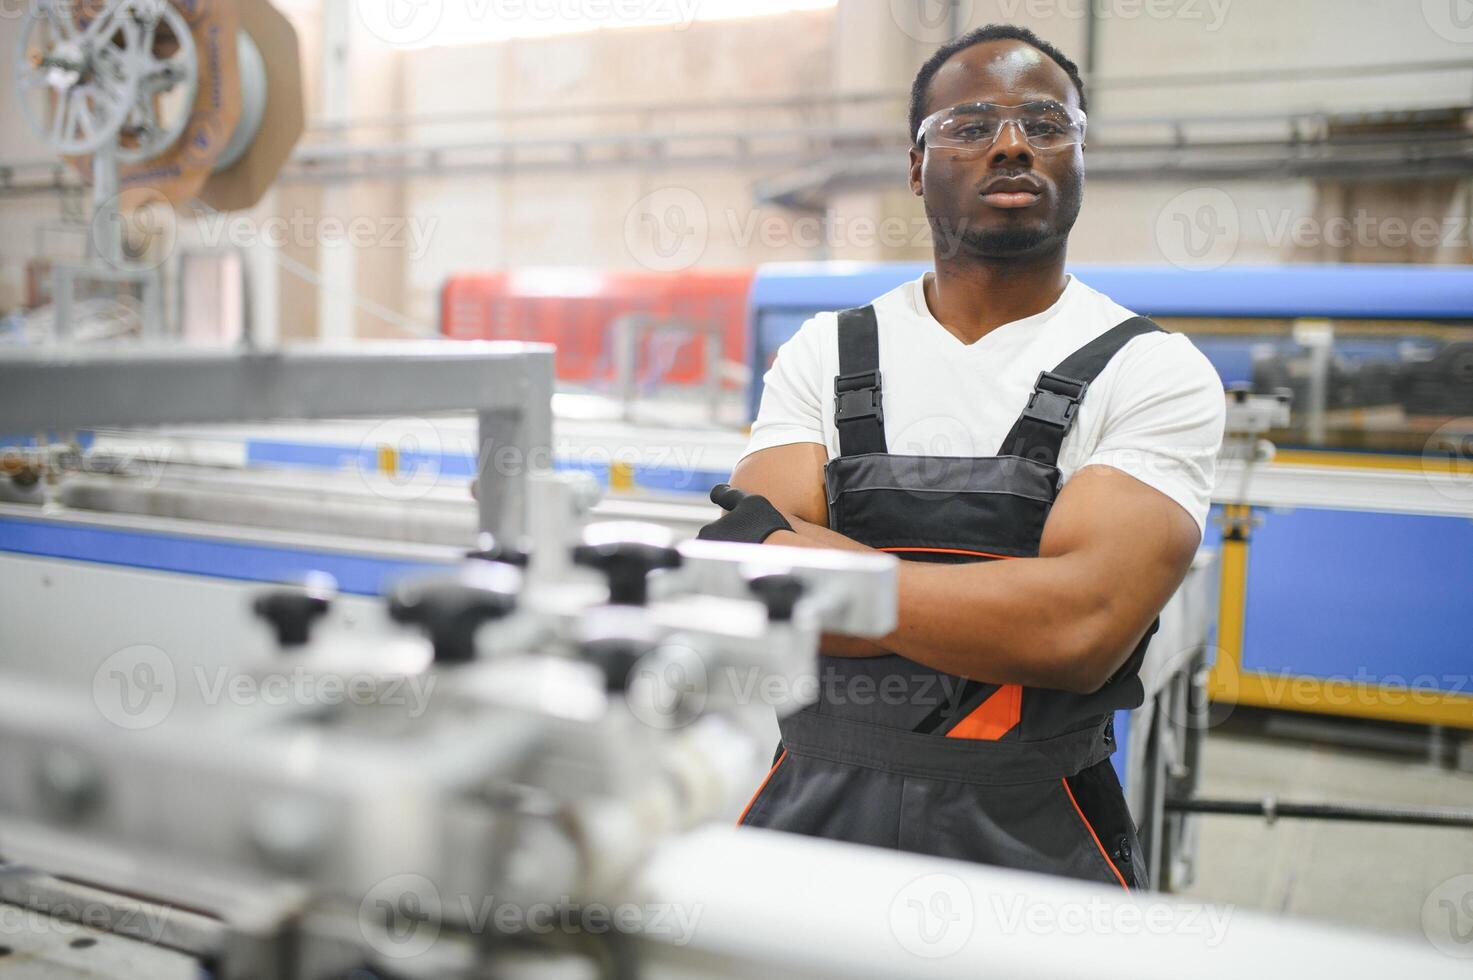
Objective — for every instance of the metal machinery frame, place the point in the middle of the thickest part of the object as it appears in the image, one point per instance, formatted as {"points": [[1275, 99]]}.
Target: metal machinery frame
{"points": [[542, 772], [630, 330], [508, 385]]}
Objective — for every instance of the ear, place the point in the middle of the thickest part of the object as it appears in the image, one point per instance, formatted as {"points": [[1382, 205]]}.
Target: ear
{"points": [[917, 158]]}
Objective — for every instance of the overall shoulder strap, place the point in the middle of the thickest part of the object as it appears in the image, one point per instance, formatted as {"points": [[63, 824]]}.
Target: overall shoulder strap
{"points": [[857, 407], [1040, 430]]}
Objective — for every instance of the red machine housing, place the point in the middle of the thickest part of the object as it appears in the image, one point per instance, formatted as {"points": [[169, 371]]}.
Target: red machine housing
{"points": [[576, 308]]}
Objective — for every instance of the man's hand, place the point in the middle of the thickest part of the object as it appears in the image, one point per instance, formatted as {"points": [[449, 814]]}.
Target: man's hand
{"points": [[750, 518]]}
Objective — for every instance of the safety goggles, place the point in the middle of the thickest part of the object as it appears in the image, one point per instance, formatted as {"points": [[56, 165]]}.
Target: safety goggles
{"points": [[977, 125]]}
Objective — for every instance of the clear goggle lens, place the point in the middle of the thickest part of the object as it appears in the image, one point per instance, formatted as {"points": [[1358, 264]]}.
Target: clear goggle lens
{"points": [[976, 125]]}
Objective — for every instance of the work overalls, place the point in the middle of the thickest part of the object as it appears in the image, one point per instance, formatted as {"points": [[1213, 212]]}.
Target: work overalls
{"points": [[896, 754]]}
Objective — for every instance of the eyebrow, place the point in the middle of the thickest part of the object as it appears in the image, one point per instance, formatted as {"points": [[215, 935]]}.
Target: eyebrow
{"points": [[1049, 103]]}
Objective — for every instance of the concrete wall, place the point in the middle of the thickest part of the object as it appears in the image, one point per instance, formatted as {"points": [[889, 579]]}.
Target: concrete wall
{"points": [[320, 281], [595, 219]]}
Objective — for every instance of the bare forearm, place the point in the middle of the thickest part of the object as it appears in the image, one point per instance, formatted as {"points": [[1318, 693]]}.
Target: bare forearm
{"points": [[1112, 553], [809, 535], [840, 645], [1032, 621]]}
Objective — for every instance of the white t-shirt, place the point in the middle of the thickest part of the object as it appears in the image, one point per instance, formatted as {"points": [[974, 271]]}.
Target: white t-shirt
{"points": [[1156, 411]]}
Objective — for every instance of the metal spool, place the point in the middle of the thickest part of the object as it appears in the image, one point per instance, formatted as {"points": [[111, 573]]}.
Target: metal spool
{"points": [[253, 97], [78, 77], [166, 84], [124, 73]]}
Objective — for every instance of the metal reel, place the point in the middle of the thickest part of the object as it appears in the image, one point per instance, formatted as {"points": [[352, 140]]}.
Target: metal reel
{"points": [[78, 74], [169, 78]]}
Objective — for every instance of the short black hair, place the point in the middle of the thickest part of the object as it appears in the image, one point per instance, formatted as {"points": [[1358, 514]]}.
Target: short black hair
{"points": [[920, 88]]}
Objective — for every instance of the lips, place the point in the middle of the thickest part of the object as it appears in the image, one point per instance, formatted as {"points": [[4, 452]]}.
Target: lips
{"points": [[1011, 199], [1012, 192]]}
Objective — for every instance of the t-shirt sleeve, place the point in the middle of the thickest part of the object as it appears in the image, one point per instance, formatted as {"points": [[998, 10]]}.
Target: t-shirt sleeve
{"points": [[1165, 423], [792, 395]]}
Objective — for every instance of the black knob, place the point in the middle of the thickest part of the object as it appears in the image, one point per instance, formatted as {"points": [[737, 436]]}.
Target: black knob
{"points": [[779, 593], [627, 561], [489, 549], [291, 612], [450, 612], [616, 657]]}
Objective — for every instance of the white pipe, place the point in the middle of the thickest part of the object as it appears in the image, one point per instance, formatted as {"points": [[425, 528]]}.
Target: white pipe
{"points": [[773, 904]]}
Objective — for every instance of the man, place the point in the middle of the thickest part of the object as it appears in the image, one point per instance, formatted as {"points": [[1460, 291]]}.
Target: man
{"points": [[1037, 456]]}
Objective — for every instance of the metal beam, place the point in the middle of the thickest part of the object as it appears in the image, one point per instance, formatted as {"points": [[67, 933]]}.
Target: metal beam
{"points": [[509, 385], [827, 157], [1429, 492]]}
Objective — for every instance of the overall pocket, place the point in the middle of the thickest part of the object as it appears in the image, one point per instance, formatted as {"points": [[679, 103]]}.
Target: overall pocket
{"points": [[1095, 796], [984, 507]]}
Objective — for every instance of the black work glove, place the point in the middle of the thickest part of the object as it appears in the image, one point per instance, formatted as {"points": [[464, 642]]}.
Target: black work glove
{"points": [[749, 517]]}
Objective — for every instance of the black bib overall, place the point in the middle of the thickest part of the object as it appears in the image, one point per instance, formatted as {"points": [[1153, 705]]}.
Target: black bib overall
{"points": [[896, 754]]}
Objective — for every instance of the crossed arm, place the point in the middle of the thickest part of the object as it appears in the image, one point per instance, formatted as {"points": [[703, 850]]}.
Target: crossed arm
{"points": [[1113, 551]]}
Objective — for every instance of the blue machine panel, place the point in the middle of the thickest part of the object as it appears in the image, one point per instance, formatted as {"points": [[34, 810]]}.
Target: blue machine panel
{"points": [[785, 294], [317, 455], [313, 455], [1395, 292], [1354, 595], [238, 560]]}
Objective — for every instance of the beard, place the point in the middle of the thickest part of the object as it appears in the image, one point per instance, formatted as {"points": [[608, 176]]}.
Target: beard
{"points": [[1005, 243], [1017, 241]]}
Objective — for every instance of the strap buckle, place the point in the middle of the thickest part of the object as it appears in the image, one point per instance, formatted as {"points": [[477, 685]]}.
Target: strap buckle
{"points": [[857, 397], [1055, 400]]}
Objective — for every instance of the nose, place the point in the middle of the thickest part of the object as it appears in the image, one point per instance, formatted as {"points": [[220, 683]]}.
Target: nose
{"points": [[1011, 144]]}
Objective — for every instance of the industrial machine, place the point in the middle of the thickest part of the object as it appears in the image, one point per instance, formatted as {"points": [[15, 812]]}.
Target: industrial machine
{"points": [[501, 758], [527, 811]]}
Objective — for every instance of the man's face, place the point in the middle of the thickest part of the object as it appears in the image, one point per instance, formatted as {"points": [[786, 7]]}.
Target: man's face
{"points": [[1007, 199]]}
